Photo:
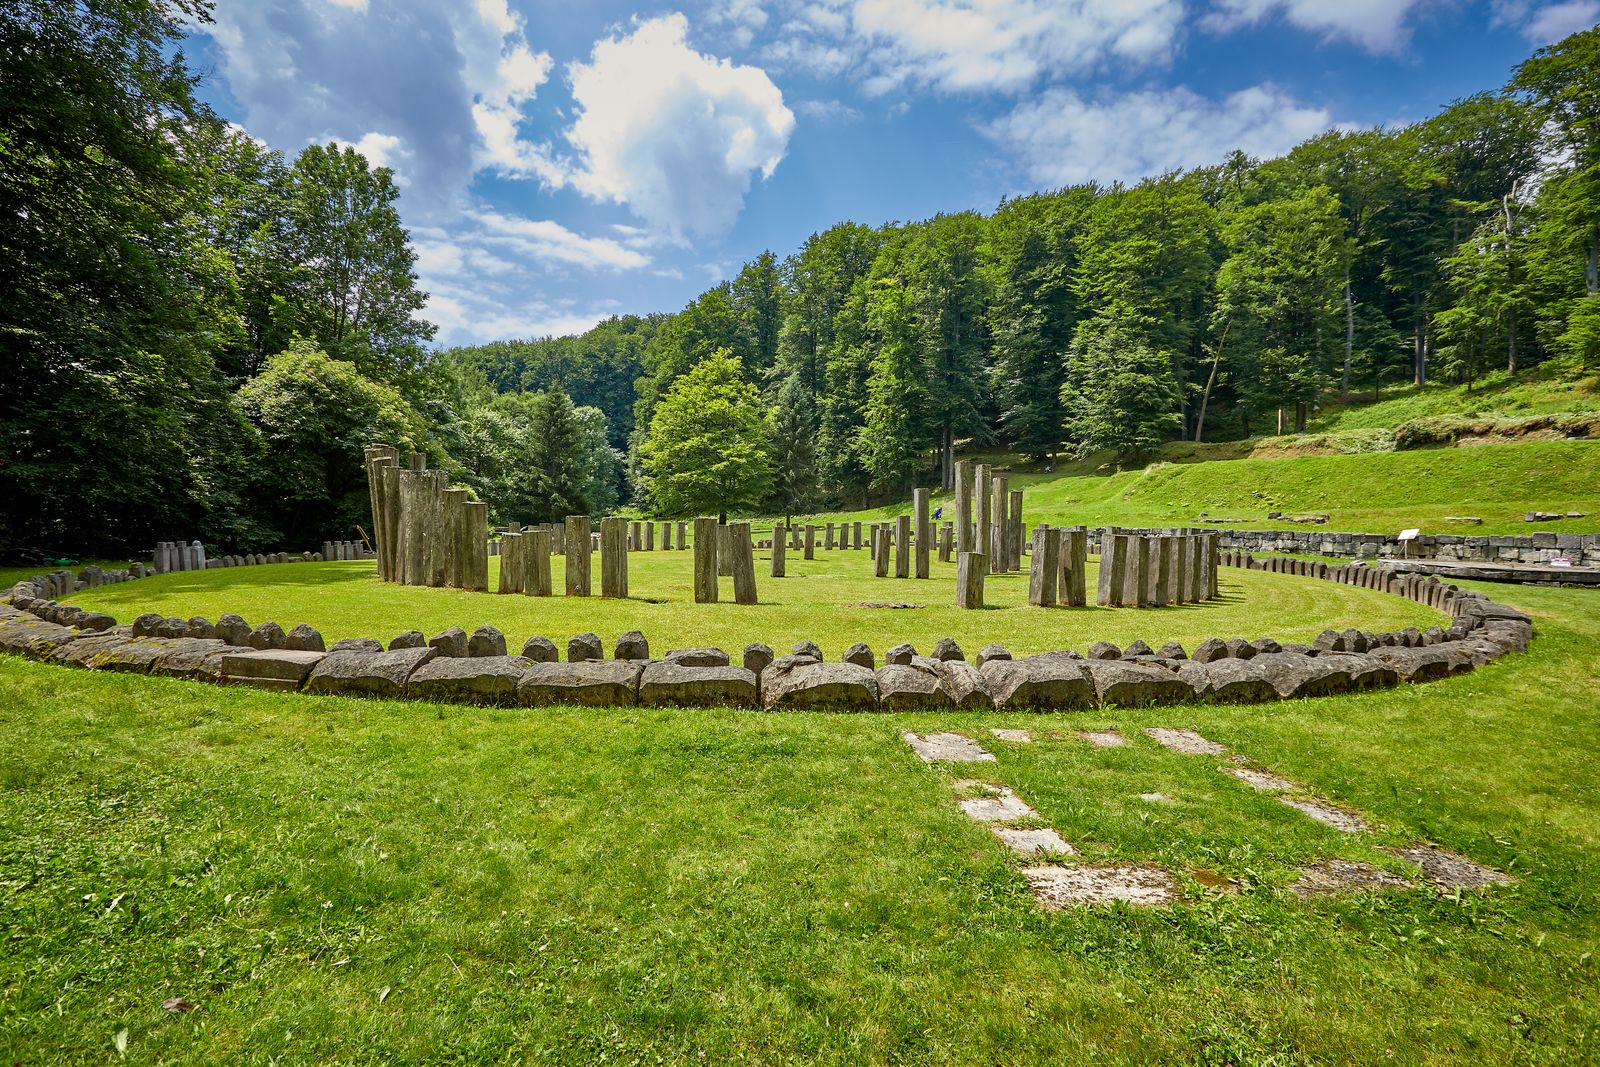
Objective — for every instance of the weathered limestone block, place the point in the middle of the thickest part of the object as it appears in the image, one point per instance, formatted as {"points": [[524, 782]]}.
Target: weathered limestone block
{"points": [[301, 639], [631, 645], [966, 685], [1134, 685], [364, 673], [462, 680], [357, 644], [757, 657], [486, 641], [592, 683], [233, 629], [1425, 664], [802, 683], [201, 663], [900, 654], [946, 649], [673, 683], [409, 639], [268, 635], [269, 668], [1229, 681], [913, 687], [451, 642], [697, 657], [861, 655], [1054, 681], [1294, 675], [585, 646], [540, 650]]}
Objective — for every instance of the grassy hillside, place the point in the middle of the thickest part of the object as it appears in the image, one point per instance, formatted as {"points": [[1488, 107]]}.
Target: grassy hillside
{"points": [[1376, 492], [1496, 395]]}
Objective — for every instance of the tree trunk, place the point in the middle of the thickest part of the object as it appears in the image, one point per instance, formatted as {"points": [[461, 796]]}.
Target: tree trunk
{"points": [[1511, 280], [1591, 272], [1419, 339], [1300, 417], [1211, 379], [1349, 336], [1283, 420]]}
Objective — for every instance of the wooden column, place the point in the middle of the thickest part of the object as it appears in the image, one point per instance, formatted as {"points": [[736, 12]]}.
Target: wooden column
{"points": [[1213, 543], [981, 501], [970, 569], [666, 537], [683, 536], [880, 550], [1073, 592], [512, 573], [744, 563], [780, 546], [614, 533], [536, 562], [946, 541], [439, 546], [963, 506], [1133, 584], [705, 561], [857, 536], [414, 488], [475, 546], [649, 537], [902, 546], [1196, 576], [724, 551], [1044, 572], [919, 506], [1113, 567], [827, 536], [579, 547], [455, 501], [811, 541], [1162, 566], [1000, 523], [1014, 532]]}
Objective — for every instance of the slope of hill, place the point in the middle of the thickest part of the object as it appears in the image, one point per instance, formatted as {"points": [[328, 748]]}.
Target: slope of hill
{"points": [[1378, 492]]}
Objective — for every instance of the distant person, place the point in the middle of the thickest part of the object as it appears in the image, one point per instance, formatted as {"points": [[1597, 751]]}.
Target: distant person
{"points": [[938, 512]]}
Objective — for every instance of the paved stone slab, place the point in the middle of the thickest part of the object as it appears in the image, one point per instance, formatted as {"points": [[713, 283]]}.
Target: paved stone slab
{"points": [[947, 748], [1103, 738], [1186, 741], [270, 668], [1327, 814], [1262, 780], [1331, 877], [1059, 887], [1018, 736], [1038, 842], [1004, 806], [1449, 870]]}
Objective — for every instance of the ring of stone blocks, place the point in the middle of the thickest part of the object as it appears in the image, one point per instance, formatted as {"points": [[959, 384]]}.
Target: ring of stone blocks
{"points": [[479, 668]]}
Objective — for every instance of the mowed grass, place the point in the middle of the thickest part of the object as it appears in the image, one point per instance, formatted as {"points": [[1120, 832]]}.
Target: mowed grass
{"points": [[1493, 395], [818, 601], [333, 880], [1381, 492]]}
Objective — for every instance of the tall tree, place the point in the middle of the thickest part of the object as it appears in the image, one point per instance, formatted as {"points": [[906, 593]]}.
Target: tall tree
{"points": [[1121, 394], [795, 448], [757, 298], [710, 442]]}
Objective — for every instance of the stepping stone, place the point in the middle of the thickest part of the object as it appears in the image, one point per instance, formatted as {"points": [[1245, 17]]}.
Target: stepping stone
{"points": [[1059, 887], [1155, 798], [947, 748], [1034, 842], [1448, 870], [1327, 878], [1185, 741], [1327, 814], [1019, 736], [1103, 738], [1004, 806], [1266, 783]]}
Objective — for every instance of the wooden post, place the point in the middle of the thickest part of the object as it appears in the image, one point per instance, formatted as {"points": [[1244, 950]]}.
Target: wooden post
{"points": [[1074, 567], [963, 506], [1133, 595], [705, 561], [1044, 572], [1162, 566], [998, 522], [1212, 551], [1113, 567], [579, 548], [455, 502], [666, 537], [827, 536], [649, 537], [614, 535], [902, 546], [780, 545], [414, 488], [970, 569], [536, 562], [1014, 532], [946, 541], [919, 504], [811, 541], [512, 576], [724, 551], [744, 564], [439, 548], [475, 546], [857, 536], [880, 550]]}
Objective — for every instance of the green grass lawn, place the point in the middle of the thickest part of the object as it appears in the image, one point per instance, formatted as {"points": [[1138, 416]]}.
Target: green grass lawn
{"points": [[1494, 395], [815, 602], [344, 880], [1369, 493]]}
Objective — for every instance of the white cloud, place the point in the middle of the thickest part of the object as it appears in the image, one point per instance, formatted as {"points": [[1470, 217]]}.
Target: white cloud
{"points": [[828, 110], [545, 240], [1544, 24], [673, 134], [974, 45], [352, 5], [1376, 25], [1060, 139]]}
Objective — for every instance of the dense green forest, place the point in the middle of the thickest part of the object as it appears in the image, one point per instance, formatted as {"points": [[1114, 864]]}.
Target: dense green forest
{"points": [[201, 334]]}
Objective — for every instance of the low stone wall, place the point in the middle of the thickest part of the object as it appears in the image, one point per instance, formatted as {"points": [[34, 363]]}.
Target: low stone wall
{"points": [[1540, 547], [477, 669]]}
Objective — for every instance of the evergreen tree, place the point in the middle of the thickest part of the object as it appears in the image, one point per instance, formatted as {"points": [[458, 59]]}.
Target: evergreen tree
{"points": [[795, 449], [1121, 394], [561, 456], [893, 439]]}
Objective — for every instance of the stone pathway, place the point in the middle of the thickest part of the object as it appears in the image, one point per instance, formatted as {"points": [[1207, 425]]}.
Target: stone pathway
{"points": [[1034, 842], [1186, 741], [1261, 780], [1328, 815], [1331, 877], [1059, 887], [1002, 806], [947, 748], [1447, 870]]}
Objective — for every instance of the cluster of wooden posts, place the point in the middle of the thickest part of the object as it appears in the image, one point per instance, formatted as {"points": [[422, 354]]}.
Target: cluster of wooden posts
{"points": [[1144, 570]]}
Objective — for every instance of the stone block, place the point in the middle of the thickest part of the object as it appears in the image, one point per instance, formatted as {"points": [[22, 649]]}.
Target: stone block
{"points": [[467, 680], [592, 683], [1054, 681], [269, 668], [803, 683], [673, 683], [367, 673]]}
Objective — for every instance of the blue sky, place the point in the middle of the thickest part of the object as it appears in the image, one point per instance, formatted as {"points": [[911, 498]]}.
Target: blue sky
{"points": [[564, 160]]}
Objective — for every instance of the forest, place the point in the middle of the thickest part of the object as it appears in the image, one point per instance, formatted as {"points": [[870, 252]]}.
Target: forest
{"points": [[201, 334]]}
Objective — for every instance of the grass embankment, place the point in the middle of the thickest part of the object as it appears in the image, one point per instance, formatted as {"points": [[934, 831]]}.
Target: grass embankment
{"points": [[817, 601], [1493, 396], [337, 879], [1379, 492]]}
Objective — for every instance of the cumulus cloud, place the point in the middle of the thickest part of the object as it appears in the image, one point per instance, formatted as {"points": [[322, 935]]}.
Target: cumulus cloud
{"points": [[1376, 25], [1059, 138], [673, 134], [974, 45], [1543, 23]]}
